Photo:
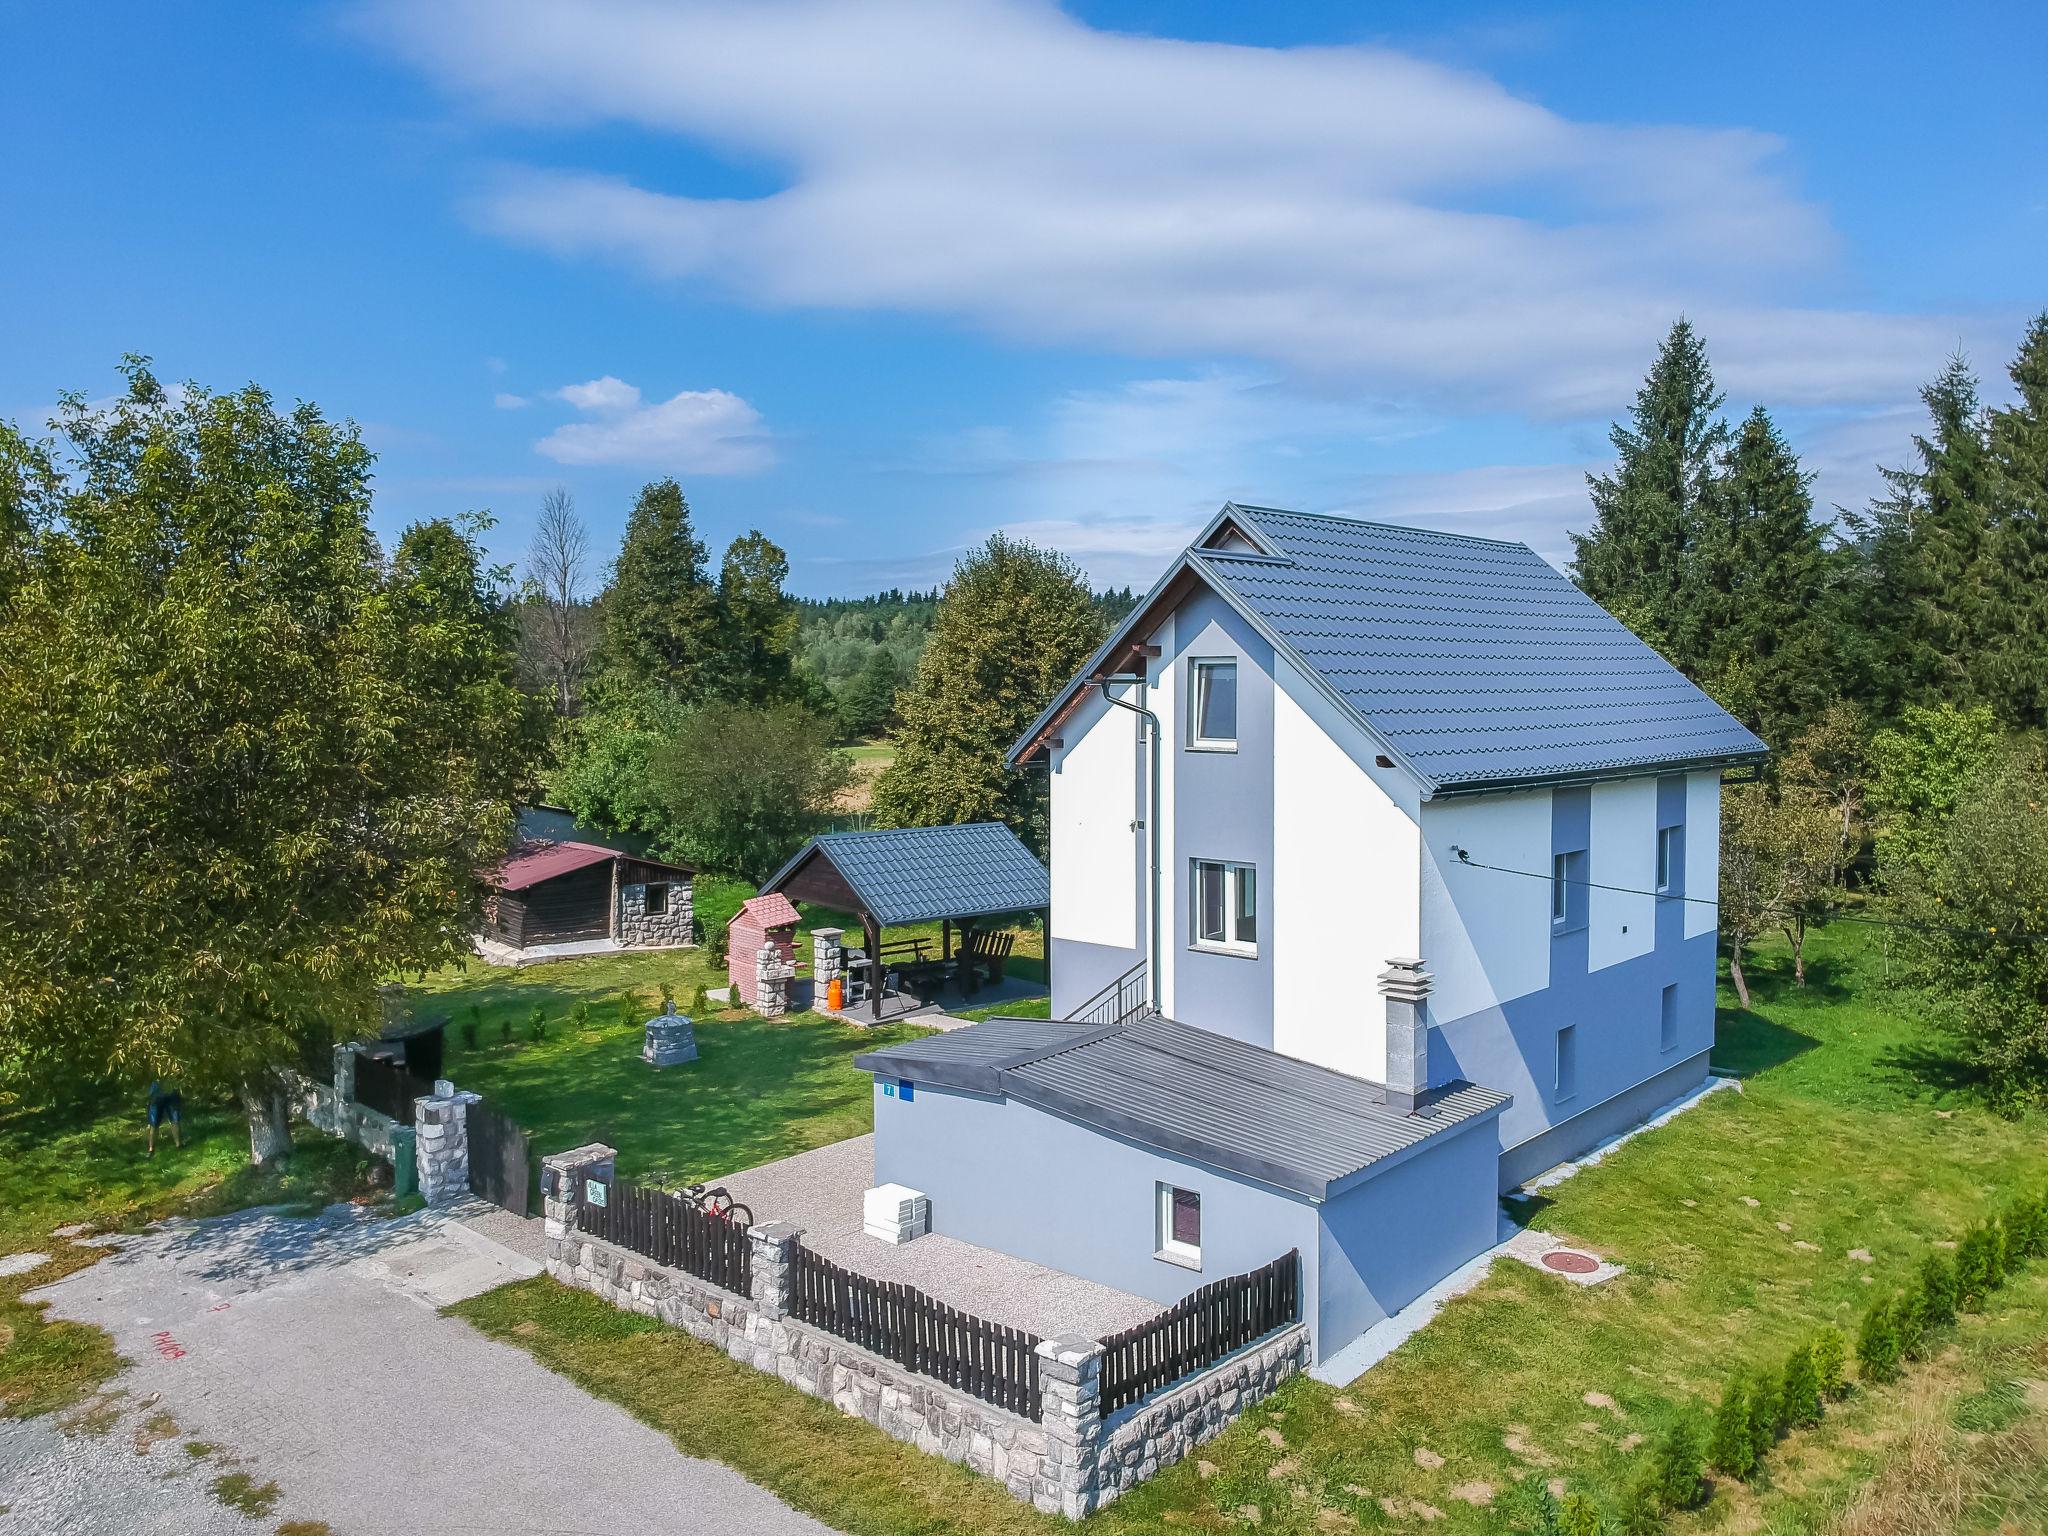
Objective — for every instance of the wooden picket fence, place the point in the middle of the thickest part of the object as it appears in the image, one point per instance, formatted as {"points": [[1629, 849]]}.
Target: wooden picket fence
{"points": [[673, 1231], [1199, 1330], [899, 1322]]}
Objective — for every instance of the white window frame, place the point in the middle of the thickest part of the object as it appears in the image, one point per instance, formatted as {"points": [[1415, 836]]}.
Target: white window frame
{"points": [[647, 891], [1667, 860], [1565, 1084], [1166, 1246], [1560, 889], [1234, 874], [1197, 665]]}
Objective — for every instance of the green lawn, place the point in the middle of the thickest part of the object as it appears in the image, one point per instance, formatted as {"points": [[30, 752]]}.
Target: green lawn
{"points": [[1850, 1132], [760, 1089]]}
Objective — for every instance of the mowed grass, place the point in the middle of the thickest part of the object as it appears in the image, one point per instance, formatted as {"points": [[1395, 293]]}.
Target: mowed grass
{"points": [[1850, 1135], [86, 1165]]}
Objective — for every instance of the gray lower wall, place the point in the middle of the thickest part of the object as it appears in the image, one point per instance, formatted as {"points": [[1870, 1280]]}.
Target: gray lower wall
{"points": [[1588, 1129], [1079, 971], [1386, 1241], [1616, 1012], [1010, 1177]]}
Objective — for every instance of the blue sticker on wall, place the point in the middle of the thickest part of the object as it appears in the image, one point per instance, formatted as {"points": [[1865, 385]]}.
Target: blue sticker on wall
{"points": [[899, 1089], [909, 1090]]}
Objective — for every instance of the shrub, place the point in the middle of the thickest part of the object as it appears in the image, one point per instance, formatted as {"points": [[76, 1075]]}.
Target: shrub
{"points": [[1728, 1446], [580, 1014], [1641, 1510], [1909, 1321], [1877, 1342], [1938, 1289], [629, 1010], [1830, 1362], [1801, 1389], [1763, 1416], [1973, 1269], [469, 1034], [714, 937], [1677, 1464], [537, 1023], [1579, 1516], [505, 1029], [1531, 1509], [700, 1002], [1997, 1256], [668, 997], [2024, 1229]]}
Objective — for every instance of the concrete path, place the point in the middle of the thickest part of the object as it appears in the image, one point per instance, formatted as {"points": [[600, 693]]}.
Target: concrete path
{"points": [[312, 1353]]}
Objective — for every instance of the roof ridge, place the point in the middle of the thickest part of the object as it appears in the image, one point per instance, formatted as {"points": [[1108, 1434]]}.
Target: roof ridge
{"points": [[1348, 521]]}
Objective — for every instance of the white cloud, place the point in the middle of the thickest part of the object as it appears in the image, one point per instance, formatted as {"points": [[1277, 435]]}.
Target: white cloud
{"points": [[510, 402], [605, 394], [1348, 214], [703, 431]]}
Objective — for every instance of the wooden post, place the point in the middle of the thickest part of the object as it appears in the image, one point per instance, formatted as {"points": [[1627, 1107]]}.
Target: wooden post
{"points": [[945, 938], [871, 932]]}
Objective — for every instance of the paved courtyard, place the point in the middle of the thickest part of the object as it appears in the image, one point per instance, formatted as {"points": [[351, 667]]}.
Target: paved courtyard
{"points": [[821, 1192], [311, 1352]]}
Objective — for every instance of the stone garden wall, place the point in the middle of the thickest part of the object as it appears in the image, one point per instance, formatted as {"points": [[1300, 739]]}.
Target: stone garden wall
{"points": [[638, 928], [1067, 1462]]}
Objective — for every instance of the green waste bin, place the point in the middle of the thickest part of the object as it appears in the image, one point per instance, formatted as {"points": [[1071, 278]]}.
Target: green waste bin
{"points": [[405, 1168]]}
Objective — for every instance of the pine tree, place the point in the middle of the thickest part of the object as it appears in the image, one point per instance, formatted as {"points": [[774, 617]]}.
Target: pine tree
{"points": [[1678, 1459], [1801, 1389], [1764, 1398], [660, 612], [870, 699], [1928, 555], [1639, 561], [1729, 1448], [1641, 1509], [1937, 1281], [1830, 1359]]}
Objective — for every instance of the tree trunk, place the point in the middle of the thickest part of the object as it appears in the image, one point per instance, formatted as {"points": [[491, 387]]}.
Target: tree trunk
{"points": [[1797, 934], [270, 1125], [1735, 975]]}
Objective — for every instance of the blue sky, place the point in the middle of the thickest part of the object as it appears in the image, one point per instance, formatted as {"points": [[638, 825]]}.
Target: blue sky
{"points": [[880, 279]]}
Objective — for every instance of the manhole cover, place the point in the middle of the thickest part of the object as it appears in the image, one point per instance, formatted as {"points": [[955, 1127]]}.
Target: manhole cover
{"points": [[1565, 1262]]}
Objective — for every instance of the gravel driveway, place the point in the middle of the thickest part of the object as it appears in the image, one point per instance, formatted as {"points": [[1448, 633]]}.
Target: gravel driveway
{"points": [[311, 1352]]}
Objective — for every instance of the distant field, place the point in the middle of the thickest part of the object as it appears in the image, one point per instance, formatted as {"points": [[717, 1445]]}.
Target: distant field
{"points": [[869, 759]]}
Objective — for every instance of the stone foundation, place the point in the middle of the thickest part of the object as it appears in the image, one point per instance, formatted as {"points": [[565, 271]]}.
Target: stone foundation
{"points": [[1067, 1462], [640, 929]]}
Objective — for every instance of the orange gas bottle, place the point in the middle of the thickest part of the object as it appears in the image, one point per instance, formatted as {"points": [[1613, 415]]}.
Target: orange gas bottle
{"points": [[835, 993]]}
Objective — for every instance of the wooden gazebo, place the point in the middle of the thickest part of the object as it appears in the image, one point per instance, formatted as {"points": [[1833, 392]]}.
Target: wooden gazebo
{"points": [[947, 875]]}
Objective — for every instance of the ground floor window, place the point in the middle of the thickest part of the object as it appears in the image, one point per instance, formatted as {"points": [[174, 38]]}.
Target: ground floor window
{"points": [[1226, 907], [657, 900], [1180, 1226], [1567, 1061], [1668, 1021]]}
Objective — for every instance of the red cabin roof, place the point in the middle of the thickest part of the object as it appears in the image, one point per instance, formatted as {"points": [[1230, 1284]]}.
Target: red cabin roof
{"points": [[532, 863]]}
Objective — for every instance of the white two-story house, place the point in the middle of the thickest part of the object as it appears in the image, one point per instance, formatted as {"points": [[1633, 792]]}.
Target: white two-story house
{"points": [[1407, 851]]}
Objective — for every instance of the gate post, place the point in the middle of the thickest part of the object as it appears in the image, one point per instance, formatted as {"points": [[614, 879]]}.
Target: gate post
{"points": [[1070, 1409], [774, 1247], [442, 1121]]}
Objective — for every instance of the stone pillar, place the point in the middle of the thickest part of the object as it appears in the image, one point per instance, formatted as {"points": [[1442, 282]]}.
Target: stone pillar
{"points": [[774, 1245], [1405, 985], [828, 959], [564, 1180], [1070, 1411], [345, 1076], [442, 1124], [772, 975]]}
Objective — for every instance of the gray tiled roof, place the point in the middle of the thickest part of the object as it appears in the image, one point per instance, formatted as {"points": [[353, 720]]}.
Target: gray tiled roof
{"points": [[918, 874], [1189, 1092], [1474, 660]]}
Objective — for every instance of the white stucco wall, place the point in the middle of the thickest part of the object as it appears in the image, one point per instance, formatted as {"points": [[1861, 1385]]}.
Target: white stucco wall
{"points": [[1097, 793], [1486, 935], [1702, 852], [1346, 890], [1623, 852], [1164, 698]]}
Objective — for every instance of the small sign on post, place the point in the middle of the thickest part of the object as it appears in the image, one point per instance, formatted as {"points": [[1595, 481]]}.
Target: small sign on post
{"points": [[594, 1191]]}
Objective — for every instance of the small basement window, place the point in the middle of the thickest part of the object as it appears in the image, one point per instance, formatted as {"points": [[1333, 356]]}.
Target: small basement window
{"points": [[1212, 711], [1226, 907], [1670, 859], [1567, 1062], [1180, 1226], [657, 900], [1667, 1018]]}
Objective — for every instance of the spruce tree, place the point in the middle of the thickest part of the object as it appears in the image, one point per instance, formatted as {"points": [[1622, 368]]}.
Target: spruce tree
{"points": [[752, 659], [1928, 556], [1639, 561], [660, 612], [2014, 674], [1678, 1459], [1830, 1359], [1937, 1281], [1729, 1448], [1764, 1398], [1877, 1342]]}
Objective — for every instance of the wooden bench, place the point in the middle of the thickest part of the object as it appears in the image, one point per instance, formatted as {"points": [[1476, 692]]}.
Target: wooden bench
{"points": [[985, 954]]}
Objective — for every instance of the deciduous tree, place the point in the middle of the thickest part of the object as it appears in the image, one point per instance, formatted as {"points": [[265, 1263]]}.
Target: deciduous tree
{"points": [[741, 785], [557, 632], [248, 766]]}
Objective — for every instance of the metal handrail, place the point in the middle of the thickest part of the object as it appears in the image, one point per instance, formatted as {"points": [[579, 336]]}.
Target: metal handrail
{"points": [[1120, 1000]]}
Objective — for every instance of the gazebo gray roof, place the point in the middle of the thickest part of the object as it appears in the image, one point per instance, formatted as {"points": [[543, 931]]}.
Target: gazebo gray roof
{"points": [[1191, 1093], [921, 874]]}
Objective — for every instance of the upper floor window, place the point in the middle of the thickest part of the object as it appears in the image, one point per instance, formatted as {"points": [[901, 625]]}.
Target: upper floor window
{"points": [[1670, 860], [1567, 890], [1226, 907], [1212, 709]]}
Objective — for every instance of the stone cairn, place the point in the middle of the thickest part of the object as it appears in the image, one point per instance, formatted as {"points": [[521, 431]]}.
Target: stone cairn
{"points": [[671, 1039]]}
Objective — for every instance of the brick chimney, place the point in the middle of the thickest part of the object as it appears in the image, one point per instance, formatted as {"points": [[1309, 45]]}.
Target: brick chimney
{"points": [[1406, 985]]}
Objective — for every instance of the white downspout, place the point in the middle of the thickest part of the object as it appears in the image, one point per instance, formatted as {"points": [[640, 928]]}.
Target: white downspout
{"points": [[1152, 979]]}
